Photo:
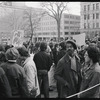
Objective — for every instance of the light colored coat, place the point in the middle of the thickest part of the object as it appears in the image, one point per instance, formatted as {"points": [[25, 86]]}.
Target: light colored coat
{"points": [[31, 75]]}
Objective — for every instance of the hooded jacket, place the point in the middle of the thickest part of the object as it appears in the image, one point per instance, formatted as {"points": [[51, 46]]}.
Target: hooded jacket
{"points": [[31, 75]]}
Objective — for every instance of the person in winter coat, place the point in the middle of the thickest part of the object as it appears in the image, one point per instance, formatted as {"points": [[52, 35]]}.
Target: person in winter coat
{"points": [[43, 63], [91, 74], [68, 71], [30, 71], [5, 89], [15, 74], [61, 53], [55, 53]]}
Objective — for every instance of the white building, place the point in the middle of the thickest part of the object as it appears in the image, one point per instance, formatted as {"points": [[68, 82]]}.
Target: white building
{"points": [[47, 29], [90, 18], [70, 25]]}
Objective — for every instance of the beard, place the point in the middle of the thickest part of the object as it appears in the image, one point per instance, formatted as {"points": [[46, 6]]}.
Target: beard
{"points": [[70, 52]]}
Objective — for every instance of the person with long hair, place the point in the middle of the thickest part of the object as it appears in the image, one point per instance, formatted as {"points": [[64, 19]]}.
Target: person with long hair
{"points": [[91, 73]]}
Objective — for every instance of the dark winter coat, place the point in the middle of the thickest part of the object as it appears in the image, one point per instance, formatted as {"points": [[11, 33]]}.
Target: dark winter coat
{"points": [[61, 53], [42, 60], [91, 77], [16, 78], [5, 89], [64, 74]]}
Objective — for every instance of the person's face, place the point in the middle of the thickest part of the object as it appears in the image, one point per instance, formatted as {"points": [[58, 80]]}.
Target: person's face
{"points": [[87, 59], [60, 47], [70, 49]]}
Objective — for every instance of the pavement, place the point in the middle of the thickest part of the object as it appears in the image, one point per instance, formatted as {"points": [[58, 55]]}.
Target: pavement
{"points": [[52, 94]]}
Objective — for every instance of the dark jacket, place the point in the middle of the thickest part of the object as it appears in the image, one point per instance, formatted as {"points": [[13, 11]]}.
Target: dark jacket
{"points": [[61, 53], [64, 74], [5, 89], [16, 78], [91, 77], [55, 56], [42, 60]]}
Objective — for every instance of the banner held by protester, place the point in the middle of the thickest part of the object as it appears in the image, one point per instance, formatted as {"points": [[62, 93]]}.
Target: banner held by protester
{"points": [[17, 40]]}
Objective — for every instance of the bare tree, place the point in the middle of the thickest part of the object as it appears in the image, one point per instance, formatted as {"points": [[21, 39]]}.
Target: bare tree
{"points": [[55, 10], [12, 18], [32, 18]]}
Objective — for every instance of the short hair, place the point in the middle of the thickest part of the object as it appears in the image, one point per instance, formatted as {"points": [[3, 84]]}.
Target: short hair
{"points": [[23, 51], [63, 45], [43, 46], [93, 53]]}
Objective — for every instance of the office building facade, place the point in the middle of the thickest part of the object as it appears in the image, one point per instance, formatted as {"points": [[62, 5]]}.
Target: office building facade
{"points": [[90, 18]]}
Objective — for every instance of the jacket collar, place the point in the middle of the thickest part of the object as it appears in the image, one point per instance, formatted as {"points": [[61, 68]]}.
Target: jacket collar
{"points": [[68, 60], [27, 59]]}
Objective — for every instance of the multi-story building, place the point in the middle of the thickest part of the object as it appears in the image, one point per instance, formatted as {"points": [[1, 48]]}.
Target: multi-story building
{"points": [[70, 25], [12, 12], [90, 18]]}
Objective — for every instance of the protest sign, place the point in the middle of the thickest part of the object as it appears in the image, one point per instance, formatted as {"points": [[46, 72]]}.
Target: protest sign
{"points": [[17, 40], [80, 39]]}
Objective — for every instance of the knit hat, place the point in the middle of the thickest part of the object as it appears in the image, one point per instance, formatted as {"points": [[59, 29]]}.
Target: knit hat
{"points": [[72, 42], [12, 54]]}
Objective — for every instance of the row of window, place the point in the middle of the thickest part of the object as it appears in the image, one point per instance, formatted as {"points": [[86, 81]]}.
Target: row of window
{"points": [[71, 22], [94, 7], [72, 33], [47, 18], [72, 17], [47, 28], [53, 33], [94, 25], [94, 16], [67, 27], [48, 23]]}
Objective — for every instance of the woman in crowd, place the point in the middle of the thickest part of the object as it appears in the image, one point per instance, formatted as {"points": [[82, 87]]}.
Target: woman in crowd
{"points": [[91, 74], [30, 71], [15, 74]]}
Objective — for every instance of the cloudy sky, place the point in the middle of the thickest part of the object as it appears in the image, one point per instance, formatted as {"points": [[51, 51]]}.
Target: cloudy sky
{"points": [[74, 7]]}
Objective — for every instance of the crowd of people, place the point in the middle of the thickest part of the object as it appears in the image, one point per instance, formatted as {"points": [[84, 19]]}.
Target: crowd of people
{"points": [[76, 68]]}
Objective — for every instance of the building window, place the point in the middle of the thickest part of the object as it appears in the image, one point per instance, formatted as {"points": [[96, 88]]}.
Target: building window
{"points": [[93, 25], [71, 22], [88, 16], [97, 25], [97, 6], [66, 33], [97, 15], [84, 17], [93, 16], [66, 22], [66, 16], [84, 25], [88, 7], [66, 27], [93, 6], [88, 25], [84, 7]]}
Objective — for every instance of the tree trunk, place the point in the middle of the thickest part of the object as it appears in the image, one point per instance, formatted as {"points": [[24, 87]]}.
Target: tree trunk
{"points": [[58, 29]]}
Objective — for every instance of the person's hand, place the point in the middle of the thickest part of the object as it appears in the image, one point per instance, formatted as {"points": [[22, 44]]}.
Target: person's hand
{"points": [[33, 92]]}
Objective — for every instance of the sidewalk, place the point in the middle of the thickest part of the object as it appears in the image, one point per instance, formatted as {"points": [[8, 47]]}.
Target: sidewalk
{"points": [[52, 94]]}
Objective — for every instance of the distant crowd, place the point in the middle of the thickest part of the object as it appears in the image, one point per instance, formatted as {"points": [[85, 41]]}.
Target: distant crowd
{"points": [[26, 72]]}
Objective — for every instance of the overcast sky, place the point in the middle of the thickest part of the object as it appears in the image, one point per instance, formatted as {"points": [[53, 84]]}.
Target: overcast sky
{"points": [[74, 7]]}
